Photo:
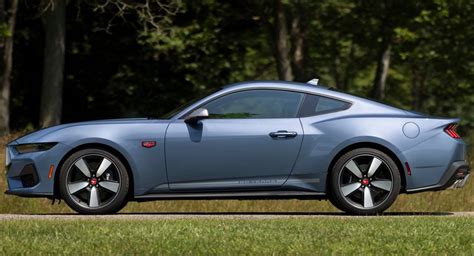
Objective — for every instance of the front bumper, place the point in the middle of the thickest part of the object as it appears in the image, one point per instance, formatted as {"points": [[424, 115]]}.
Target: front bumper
{"points": [[27, 174], [455, 177]]}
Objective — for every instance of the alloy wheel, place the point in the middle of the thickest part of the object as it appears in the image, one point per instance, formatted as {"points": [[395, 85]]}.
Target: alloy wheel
{"points": [[366, 181], [93, 181]]}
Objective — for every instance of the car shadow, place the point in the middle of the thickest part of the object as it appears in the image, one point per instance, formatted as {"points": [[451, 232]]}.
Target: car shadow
{"points": [[261, 213], [291, 213]]}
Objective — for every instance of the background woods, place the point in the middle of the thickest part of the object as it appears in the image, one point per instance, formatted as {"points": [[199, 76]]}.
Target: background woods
{"points": [[66, 61]]}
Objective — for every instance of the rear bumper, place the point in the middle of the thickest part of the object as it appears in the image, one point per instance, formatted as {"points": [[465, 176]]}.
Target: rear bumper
{"points": [[455, 177]]}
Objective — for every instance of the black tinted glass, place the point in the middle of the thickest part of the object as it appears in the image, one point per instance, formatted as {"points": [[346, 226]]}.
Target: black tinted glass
{"points": [[256, 104], [315, 105]]}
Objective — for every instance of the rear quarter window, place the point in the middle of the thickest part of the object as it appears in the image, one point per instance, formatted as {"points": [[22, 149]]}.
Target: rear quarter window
{"points": [[316, 105]]}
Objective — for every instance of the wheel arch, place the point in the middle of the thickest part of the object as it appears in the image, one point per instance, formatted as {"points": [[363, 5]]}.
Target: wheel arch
{"points": [[105, 147], [373, 145]]}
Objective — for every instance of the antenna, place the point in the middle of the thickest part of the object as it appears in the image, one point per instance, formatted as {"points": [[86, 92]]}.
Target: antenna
{"points": [[313, 81]]}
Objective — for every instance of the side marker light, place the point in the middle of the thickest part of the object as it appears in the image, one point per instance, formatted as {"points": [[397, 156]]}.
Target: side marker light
{"points": [[408, 168], [51, 169], [148, 144]]}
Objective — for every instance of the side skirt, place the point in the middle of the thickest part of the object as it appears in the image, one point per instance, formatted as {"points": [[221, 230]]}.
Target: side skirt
{"points": [[233, 195]]}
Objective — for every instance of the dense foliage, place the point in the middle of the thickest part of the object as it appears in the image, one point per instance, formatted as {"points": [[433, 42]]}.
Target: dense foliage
{"points": [[120, 66]]}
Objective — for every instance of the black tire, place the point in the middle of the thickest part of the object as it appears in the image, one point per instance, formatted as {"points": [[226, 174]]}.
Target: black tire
{"points": [[333, 201], [364, 189], [101, 181]]}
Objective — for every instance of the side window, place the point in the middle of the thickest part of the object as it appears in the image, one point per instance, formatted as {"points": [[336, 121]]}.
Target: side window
{"points": [[256, 104], [315, 105]]}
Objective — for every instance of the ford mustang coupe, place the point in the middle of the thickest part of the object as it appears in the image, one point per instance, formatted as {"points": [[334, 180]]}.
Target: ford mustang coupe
{"points": [[252, 140]]}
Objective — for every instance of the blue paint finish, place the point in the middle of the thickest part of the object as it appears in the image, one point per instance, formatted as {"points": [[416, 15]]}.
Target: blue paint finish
{"points": [[326, 136], [125, 136], [230, 153], [411, 130], [431, 158], [41, 161], [239, 154]]}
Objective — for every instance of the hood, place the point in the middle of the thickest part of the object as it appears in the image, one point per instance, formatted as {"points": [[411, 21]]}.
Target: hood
{"points": [[37, 135]]}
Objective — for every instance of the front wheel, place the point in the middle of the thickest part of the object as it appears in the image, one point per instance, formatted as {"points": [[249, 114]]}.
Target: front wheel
{"points": [[364, 181], [94, 181]]}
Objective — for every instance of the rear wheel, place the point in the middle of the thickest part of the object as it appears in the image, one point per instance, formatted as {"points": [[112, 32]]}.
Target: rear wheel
{"points": [[364, 181], [94, 181]]}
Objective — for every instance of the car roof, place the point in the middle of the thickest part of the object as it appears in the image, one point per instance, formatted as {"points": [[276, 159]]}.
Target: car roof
{"points": [[291, 86]]}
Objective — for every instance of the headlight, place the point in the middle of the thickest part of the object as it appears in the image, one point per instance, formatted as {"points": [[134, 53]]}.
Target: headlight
{"points": [[33, 147]]}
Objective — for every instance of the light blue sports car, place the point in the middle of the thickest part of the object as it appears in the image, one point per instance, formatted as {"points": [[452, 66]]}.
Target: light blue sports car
{"points": [[252, 140]]}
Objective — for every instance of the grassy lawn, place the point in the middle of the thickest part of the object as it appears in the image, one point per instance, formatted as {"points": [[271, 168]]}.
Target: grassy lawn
{"points": [[321, 235]]}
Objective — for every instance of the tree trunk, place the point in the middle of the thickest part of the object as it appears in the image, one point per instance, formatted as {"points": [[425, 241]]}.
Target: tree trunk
{"points": [[297, 37], [336, 62], [54, 24], [383, 64], [285, 71], [417, 84], [349, 69], [7, 67], [383, 58]]}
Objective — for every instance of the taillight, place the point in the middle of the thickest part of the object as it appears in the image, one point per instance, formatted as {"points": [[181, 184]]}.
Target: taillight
{"points": [[451, 131]]}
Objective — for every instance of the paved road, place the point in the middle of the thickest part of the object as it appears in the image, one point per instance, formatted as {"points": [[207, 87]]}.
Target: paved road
{"points": [[216, 215]]}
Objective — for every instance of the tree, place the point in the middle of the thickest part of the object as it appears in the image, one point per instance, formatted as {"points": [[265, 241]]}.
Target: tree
{"points": [[8, 29], [385, 49], [337, 42], [150, 14], [54, 24], [299, 27], [285, 71], [383, 63]]}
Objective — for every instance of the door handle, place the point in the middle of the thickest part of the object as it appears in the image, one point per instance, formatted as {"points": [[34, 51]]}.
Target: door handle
{"points": [[283, 134]]}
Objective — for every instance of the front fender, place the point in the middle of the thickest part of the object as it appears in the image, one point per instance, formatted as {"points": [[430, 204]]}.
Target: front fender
{"points": [[147, 164]]}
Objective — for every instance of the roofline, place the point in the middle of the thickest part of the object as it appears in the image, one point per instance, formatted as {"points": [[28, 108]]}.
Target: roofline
{"points": [[282, 85]]}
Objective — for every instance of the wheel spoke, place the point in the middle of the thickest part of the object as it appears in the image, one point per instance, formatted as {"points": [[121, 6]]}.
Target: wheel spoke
{"points": [[382, 184], [368, 198], [77, 186], [82, 166], [374, 165], [352, 166], [110, 185], [94, 197], [349, 189], [103, 167]]}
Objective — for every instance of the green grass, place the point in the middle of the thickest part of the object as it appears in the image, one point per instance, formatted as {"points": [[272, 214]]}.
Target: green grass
{"points": [[449, 200], [315, 236]]}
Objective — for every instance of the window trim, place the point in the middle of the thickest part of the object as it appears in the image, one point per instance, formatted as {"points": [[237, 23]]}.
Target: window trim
{"points": [[305, 93]]}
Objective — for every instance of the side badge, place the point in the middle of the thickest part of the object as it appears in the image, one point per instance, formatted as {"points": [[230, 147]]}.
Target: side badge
{"points": [[148, 144]]}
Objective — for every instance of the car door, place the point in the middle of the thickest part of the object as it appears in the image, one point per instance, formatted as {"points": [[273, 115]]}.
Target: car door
{"points": [[250, 140]]}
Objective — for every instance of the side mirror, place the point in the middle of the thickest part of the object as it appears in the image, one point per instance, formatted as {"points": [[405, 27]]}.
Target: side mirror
{"points": [[196, 115]]}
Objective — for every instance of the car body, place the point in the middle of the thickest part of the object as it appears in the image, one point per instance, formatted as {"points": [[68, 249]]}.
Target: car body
{"points": [[218, 148]]}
